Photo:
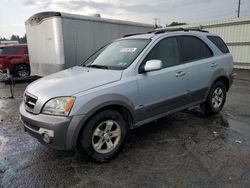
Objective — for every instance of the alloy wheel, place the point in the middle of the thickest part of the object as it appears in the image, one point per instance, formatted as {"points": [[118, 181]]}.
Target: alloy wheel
{"points": [[217, 98], [106, 136]]}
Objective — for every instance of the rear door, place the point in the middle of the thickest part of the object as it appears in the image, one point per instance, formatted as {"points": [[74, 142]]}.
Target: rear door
{"points": [[166, 89], [200, 64]]}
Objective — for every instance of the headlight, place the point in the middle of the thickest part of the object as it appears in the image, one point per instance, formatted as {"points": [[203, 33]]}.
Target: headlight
{"points": [[59, 106]]}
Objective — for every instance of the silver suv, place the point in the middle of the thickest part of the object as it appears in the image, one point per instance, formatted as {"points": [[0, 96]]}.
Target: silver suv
{"points": [[130, 82]]}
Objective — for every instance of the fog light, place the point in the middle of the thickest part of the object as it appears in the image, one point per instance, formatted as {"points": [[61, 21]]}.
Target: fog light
{"points": [[46, 138]]}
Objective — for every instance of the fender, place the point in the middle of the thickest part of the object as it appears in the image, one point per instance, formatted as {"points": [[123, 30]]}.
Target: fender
{"points": [[217, 74], [90, 108]]}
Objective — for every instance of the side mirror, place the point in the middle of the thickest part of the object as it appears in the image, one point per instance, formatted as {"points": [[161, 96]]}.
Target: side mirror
{"points": [[152, 65]]}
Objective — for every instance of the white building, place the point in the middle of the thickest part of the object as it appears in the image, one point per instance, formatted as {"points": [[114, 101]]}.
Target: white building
{"points": [[236, 34]]}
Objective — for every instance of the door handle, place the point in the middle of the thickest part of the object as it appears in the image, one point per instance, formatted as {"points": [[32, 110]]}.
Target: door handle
{"points": [[180, 73], [213, 65]]}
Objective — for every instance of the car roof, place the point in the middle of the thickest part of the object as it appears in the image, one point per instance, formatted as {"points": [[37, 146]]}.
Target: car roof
{"points": [[13, 45]]}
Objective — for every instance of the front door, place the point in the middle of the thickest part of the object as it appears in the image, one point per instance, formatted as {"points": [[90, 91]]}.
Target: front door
{"points": [[166, 89]]}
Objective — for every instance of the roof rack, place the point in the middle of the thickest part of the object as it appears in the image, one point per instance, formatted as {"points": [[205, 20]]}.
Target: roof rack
{"points": [[129, 35], [159, 31]]}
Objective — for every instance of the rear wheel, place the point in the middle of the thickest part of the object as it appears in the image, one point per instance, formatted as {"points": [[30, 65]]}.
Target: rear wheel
{"points": [[103, 136], [22, 70], [215, 99]]}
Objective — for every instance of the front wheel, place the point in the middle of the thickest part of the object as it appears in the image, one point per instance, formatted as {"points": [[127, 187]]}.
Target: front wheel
{"points": [[103, 136], [215, 99]]}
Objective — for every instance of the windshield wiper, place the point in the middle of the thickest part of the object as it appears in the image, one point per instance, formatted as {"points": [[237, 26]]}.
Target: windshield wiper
{"points": [[98, 66]]}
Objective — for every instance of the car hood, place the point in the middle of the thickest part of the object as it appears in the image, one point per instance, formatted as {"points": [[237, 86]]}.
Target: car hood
{"points": [[72, 81]]}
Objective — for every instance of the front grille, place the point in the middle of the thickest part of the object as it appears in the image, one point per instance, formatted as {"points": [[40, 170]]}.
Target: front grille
{"points": [[29, 101]]}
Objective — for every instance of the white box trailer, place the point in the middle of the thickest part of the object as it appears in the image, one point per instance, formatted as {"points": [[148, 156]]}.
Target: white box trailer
{"points": [[58, 40]]}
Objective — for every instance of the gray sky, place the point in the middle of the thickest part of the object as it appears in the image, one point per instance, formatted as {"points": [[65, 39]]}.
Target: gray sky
{"points": [[13, 13]]}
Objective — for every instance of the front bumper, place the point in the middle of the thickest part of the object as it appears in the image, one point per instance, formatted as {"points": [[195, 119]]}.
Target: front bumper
{"points": [[61, 130]]}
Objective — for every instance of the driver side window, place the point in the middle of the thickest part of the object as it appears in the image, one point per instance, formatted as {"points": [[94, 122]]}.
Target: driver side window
{"points": [[167, 51]]}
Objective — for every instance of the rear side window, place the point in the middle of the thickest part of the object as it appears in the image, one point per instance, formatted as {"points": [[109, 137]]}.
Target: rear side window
{"points": [[219, 43], [10, 51], [192, 48]]}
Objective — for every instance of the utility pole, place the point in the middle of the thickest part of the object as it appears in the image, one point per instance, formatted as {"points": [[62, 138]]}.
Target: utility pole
{"points": [[238, 11], [156, 20]]}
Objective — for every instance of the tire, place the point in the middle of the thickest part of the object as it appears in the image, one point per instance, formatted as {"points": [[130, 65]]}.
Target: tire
{"points": [[103, 136], [216, 99], [22, 70]]}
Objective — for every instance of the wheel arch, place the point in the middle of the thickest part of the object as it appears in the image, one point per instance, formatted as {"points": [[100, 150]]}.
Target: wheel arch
{"points": [[223, 79], [119, 105], [122, 109], [220, 75]]}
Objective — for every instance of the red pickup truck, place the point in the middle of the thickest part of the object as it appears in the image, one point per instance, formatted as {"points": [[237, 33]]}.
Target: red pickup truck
{"points": [[16, 59]]}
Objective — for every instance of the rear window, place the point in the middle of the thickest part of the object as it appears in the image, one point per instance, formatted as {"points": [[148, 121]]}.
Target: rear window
{"points": [[26, 51], [10, 51], [219, 43], [1, 50], [193, 48]]}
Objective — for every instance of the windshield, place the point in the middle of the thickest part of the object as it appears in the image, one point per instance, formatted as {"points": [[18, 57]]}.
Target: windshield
{"points": [[117, 55]]}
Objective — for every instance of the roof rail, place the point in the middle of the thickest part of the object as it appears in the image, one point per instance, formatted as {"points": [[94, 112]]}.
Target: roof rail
{"points": [[159, 31], [129, 35], [200, 30]]}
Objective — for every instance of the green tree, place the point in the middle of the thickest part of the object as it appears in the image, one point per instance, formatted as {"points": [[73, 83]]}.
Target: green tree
{"points": [[175, 24], [23, 39], [2, 39], [16, 38]]}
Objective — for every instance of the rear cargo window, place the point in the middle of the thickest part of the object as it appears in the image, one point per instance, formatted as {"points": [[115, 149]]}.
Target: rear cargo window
{"points": [[10, 51], [219, 43]]}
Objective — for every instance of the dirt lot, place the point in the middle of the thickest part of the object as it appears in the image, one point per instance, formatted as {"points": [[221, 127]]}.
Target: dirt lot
{"points": [[185, 149]]}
